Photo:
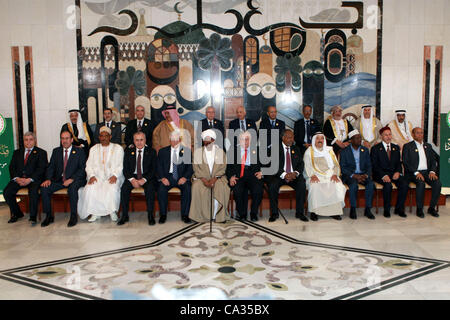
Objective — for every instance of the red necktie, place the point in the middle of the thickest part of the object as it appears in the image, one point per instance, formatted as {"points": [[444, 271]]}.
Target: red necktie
{"points": [[389, 152], [65, 164], [139, 165], [243, 164], [26, 157], [288, 161]]}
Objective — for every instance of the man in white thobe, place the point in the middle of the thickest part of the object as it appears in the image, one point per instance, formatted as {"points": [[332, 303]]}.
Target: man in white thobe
{"points": [[368, 126], [101, 195], [326, 193], [401, 129]]}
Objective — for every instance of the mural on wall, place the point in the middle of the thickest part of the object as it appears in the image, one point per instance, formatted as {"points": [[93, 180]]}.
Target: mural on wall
{"points": [[226, 53]]}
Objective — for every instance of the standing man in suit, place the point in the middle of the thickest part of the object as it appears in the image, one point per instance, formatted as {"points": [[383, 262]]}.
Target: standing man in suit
{"points": [[81, 131], [244, 174], [270, 123], [356, 168], [305, 129], [66, 170], [139, 167], [421, 166], [241, 123], [387, 169], [174, 169], [137, 125], [27, 170], [210, 122], [290, 173], [116, 127]]}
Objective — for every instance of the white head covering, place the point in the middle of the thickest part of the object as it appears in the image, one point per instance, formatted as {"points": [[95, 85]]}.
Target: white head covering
{"points": [[105, 128], [208, 133], [353, 133], [367, 124], [325, 152], [81, 134], [403, 126]]}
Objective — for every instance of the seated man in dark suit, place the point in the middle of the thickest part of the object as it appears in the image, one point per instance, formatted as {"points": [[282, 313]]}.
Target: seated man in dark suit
{"points": [[387, 169], [290, 173], [116, 127], [244, 174], [139, 167], [27, 170], [174, 169], [137, 125], [356, 168], [67, 169], [420, 166], [270, 123], [305, 129], [210, 122]]}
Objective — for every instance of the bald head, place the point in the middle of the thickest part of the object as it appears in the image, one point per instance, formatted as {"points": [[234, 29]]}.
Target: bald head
{"points": [[240, 112], [417, 134], [210, 113]]}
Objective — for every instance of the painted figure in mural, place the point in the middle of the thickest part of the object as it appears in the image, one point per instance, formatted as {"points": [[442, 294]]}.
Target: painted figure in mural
{"points": [[270, 123], [336, 130], [174, 169], [259, 95], [369, 126], [356, 168], [172, 122], [101, 195], [244, 174], [401, 129], [140, 124], [290, 172], [210, 122], [387, 170], [116, 129], [326, 192], [27, 170], [65, 170], [81, 131], [210, 190], [421, 166], [139, 168], [305, 129]]}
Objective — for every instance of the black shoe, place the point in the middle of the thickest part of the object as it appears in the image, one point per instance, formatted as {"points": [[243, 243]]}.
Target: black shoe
{"points": [[433, 212], [162, 219], [420, 213], [314, 216], [33, 221], [337, 218], [73, 221], [273, 218], [123, 219], [353, 213], [387, 213], [48, 219], [151, 221], [302, 217], [400, 212], [253, 217], [186, 219], [13, 219], [369, 214]]}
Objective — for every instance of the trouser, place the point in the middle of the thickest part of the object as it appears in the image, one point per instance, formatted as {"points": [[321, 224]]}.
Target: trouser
{"points": [[72, 191], [163, 196], [10, 192], [298, 184], [402, 191], [420, 189], [353, 191], [240, 192], [149, 191]]}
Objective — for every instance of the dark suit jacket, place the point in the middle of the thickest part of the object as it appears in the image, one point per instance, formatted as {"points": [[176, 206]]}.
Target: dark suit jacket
{"points": [[279, 125], [381, 165], [348, 164], [116, 132], [234, 167], [148, 166], [236, 124], [35, 167], [296, 160], [163, 163], [217, 124], [75, 169], [299, 131], [147, 127], [410, 156]]}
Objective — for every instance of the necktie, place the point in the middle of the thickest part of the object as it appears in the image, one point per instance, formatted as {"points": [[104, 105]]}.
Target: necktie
{"points": [[242, 125], [139, 127], [107, 124], [26, 157], [174, 163], [273, 123], [308, 131], [389, 151], [75, 130], [244, 160], [65, 164], [139, 165], [288, 161], [210, 124]]}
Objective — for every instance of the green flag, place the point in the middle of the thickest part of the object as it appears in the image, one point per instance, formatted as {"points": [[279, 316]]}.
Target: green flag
{"points": [[6, 150]]}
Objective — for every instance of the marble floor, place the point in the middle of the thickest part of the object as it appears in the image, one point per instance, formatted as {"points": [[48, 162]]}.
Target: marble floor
{"points": [[382, 259]]}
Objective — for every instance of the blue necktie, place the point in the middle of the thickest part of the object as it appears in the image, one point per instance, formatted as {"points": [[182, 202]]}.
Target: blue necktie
{"points": [[308, 131], [175, 169]]}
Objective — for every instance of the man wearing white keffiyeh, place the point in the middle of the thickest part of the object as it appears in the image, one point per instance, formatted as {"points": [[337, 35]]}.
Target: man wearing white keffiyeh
{"points": [[369, 126]]}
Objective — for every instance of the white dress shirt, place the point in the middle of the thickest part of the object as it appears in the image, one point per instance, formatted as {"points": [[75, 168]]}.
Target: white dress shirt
{"points": [[422, 158], [172, 160]]}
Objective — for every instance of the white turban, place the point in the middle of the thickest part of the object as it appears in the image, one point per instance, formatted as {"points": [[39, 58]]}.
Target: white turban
{"points": [[208, 133], [105, 128], [353, 133]]}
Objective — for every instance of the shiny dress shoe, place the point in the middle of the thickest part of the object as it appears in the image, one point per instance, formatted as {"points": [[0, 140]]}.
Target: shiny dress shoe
{"points": [[273, 218], [123, 219], [13, 219], [162, 219], [254, 218], [353, 213], [400, 212], [151, 221], [314, 216], [186, 219], [387, 213], [433, 212], [369, 214], [420, 213], [73, 221], [302, 217], [48, 219], [337, 218]]}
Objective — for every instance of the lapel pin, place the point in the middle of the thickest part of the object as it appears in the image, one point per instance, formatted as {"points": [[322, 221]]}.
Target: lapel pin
{"points": [[113, 126], [132, 153], [393, 149], [293, 151], [276, 124], [145, 124], [74, 152], [362, 150], [417, 150], [34, 151], [248, 124], [215, 122]]}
